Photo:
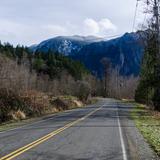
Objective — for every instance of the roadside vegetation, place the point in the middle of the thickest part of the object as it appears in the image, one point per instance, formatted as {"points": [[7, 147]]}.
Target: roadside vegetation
{"points": [[147, 118], [27, 108], [35, 84], [148, 122], [148, 90], [33, 104]]}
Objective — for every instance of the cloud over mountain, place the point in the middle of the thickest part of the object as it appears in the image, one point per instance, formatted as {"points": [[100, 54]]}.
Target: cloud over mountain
{"points": [[28, 22], [99, 28]]}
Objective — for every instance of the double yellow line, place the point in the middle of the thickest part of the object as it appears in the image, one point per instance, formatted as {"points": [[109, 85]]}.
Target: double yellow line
{"points": [[44, 138]]}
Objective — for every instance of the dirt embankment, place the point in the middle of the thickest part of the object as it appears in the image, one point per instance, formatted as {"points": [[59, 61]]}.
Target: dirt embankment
{"points": [[28, 104]]}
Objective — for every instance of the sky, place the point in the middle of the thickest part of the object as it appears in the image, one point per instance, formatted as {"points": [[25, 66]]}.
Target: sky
{"points": [[29, 22]]}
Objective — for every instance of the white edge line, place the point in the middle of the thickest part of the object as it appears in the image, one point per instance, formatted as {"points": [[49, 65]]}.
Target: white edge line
{"points": [[121, 138]]}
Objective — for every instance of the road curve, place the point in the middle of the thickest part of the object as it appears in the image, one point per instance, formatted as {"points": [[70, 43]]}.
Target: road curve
{"points": [[103, 131]]}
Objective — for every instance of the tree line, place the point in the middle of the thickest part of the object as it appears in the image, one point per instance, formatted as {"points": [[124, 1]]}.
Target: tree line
{"points": [[148, 90], [22, 69], [26, 75], [48, 71], [149, 82]]}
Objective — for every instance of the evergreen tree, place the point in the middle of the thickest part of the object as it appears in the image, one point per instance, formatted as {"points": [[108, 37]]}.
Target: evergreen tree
{"points": [[146, 90]]}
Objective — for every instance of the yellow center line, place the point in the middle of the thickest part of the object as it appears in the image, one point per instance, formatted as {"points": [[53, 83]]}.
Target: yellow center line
{"points": [[45, 138]]}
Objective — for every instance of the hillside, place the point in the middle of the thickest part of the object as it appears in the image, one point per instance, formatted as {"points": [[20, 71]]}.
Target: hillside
{"points": [[68, 45], [31, 83], [125, 52], [51, 63]]}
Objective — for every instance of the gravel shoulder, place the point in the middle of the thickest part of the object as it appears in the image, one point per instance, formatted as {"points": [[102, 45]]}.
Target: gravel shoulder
{"points": [[139, 146]]}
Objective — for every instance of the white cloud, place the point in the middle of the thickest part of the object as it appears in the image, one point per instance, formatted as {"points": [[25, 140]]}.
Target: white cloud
{"points": [[99, 28], [48, 18], [105, 24], [91, 26], [28, 34]]}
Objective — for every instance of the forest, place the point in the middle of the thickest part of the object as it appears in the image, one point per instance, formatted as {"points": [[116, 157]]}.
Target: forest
{"points": [[28, 80], [27, 77]]}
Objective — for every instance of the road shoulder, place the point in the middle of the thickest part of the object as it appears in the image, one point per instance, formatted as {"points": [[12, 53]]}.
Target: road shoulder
{"points": [[12, 125], [139, 147]]}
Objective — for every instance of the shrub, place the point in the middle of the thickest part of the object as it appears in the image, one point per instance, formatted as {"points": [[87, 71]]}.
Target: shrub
{"points": [[18, 106]]}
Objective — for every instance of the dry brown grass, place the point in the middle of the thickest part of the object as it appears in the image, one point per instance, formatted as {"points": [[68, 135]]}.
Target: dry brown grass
{"points": [[38, 102], [17, 115], [18, 106], [65, 103]]}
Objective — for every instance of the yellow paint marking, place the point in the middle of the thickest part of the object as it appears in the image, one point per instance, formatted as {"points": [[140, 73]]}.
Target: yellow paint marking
{"points": [[44, 138]]}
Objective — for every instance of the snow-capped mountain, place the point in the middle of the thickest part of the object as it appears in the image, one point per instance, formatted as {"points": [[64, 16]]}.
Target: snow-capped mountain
{"points": [[126, 51], [68, 45]]}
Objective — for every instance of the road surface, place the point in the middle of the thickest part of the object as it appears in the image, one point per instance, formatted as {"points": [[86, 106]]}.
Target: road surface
{"points": [[103, 131]]}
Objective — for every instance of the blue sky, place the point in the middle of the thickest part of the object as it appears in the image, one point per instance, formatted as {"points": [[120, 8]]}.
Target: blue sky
{"points": [[31, 21]]}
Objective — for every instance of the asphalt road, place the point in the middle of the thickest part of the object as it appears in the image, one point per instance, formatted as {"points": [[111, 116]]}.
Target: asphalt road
{"points": [[103, 131]]}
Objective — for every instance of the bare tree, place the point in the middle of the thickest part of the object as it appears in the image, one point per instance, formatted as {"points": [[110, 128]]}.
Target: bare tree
{"points": [[107, 66]]}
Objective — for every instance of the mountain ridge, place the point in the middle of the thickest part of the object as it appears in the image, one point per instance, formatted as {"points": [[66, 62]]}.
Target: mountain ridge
{"points": [[126, 51]]}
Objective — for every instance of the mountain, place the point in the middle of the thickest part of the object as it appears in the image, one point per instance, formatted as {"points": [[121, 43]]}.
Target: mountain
{"points": [[68, 45], [126, 51]]}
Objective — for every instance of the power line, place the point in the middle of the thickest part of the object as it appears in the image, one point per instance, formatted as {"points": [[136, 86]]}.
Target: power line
{"points": [[145, 17], [144, 20], [135, 15]]}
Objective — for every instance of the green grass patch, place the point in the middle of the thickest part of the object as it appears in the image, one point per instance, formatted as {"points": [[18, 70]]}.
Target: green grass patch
{"points": [[148, 122]]}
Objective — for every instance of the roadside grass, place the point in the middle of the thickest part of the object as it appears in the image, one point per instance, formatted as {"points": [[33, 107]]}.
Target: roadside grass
{"points": [[14, 124], [70, 101], [148, 122]]}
